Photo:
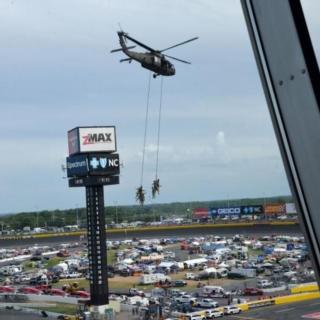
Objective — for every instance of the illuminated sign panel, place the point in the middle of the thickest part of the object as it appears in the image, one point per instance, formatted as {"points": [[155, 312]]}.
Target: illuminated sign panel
{"points": [[224, 211], [92, 139], [104, 164], [77, 166]]}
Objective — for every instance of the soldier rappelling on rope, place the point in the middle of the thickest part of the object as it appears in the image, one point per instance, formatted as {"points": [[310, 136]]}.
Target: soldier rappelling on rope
{"points": [[157, 62]]}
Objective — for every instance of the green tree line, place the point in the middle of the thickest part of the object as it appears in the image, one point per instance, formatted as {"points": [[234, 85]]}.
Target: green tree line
{"points": [[119, 214]]}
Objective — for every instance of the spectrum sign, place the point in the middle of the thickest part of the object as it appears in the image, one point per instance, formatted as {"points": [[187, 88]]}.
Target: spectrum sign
{"points": [[92, 139]]}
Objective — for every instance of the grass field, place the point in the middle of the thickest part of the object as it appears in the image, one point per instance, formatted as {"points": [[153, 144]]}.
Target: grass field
{"points": [[64, 308], [125, 283], [53, 262]]}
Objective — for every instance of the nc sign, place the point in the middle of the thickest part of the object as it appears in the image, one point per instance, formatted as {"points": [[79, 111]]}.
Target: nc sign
{"points": [[251, 209], [92, 139], [104, 164]]}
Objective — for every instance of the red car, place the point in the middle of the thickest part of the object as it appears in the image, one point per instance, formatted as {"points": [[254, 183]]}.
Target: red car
{"points": [[56, 292], [80, 294], [252, 292], [7, 289], [30, 290], [42, 287]]}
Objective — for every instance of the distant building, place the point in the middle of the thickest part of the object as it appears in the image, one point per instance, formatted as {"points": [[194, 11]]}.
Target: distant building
{"points": [[71, 228], [38, 230]]}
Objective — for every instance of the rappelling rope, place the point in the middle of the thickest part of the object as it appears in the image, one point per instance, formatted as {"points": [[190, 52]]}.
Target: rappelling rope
{"points": [[145, 129], [159, 127]]}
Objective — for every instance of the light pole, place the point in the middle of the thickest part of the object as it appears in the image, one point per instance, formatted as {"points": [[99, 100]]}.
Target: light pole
{"points": [[116, 205], [77, 216]]}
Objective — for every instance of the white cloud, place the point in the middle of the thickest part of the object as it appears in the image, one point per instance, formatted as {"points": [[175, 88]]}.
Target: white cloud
{"points": [[220, 138]]}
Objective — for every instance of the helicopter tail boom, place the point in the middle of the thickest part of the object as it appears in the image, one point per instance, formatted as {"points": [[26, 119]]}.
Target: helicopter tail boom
{"points": [[121, 49], [127, 59]]}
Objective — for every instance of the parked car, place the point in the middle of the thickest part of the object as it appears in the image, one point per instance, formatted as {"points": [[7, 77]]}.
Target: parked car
{"points": [[29, 290], [56, 292], [136, 292], [125, 273], [191, 276], [252, 292], [185, 299], [213, 313], [73, 275], [264, 283], [231, 310], [207, 303], [179, 283], [7, 289], [80, 294]]}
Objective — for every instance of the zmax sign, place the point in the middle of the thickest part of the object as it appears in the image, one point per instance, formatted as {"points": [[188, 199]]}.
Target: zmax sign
{"points": [[92, 139], [93, 164]]}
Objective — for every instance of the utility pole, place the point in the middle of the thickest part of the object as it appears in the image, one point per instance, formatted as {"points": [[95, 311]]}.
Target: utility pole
{"points": [[116, 207], [77, 216]]}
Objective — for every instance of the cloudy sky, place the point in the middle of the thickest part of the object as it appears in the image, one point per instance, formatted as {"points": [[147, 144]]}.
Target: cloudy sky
{"points": [[216, 140]]}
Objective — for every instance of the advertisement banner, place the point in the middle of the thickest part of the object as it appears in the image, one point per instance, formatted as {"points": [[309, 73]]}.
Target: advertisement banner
{"points": [[77, 166], [225, 211], [92, 139], [256, 209], [274, 208], [73, 141], [104, 164], [200, 213], [291, 208]]}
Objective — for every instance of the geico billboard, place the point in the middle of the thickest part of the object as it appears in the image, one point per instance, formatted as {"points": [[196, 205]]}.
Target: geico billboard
{"points": [[225, 211], [92, 139]]}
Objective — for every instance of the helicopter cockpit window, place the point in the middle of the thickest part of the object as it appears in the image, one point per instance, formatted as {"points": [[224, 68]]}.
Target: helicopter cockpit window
{"points": [[157, 61]]}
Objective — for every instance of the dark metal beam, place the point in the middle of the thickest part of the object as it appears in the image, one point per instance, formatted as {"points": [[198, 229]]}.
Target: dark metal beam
{"points": [[97, 246], [290, 77]]}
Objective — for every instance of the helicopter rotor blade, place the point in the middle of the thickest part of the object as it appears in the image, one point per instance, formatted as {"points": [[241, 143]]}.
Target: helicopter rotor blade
{"points": [[177, 59], [180, 44], [139, 43]]}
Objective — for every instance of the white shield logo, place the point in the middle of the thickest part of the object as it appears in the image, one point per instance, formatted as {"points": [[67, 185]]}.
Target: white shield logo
{"points": [[103, 162]]}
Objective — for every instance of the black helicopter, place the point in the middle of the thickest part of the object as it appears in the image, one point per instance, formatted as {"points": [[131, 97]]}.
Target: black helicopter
{"points": [[153, 60]]}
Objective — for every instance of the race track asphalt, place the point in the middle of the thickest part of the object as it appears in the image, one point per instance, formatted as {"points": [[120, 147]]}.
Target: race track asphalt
{"points": [[295, 311], [20, 315], [255, 230]]}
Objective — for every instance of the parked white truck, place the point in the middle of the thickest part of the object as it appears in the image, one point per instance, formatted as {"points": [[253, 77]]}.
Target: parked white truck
{"points": [[153, 278]]}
